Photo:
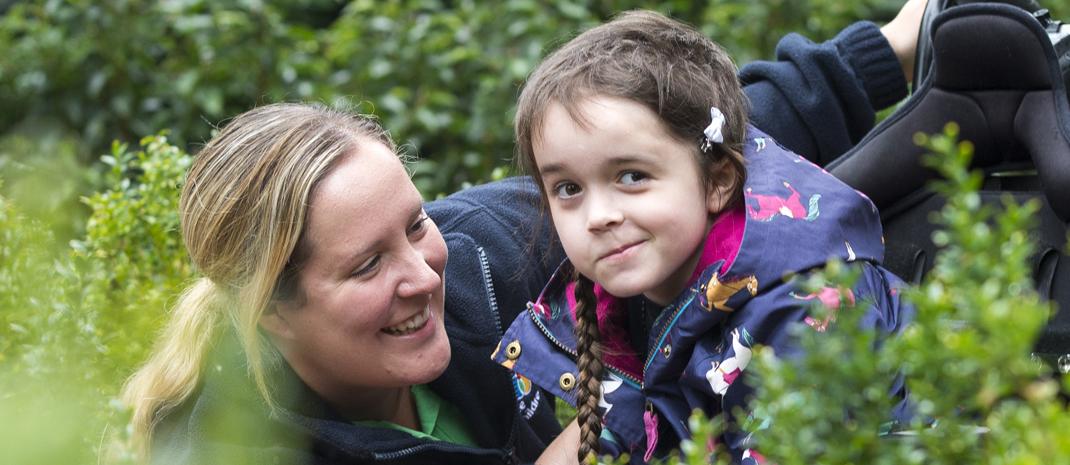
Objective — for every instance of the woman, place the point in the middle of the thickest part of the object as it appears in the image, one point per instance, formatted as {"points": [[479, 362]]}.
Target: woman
{"points": [[322, 329], [324, 279]]}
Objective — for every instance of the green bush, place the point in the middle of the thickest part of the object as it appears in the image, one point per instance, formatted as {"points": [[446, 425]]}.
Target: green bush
{"points": [[26, 258], [442, 75], [90, 72], [127, 69], [74, 322], [44, 175], [41, 344], [132, 263]]}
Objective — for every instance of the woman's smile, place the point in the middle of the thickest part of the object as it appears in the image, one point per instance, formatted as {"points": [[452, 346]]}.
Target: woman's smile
{"points": [[411, 324]]}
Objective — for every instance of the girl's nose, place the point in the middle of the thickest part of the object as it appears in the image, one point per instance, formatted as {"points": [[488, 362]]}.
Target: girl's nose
{"points": [[602, 213]]}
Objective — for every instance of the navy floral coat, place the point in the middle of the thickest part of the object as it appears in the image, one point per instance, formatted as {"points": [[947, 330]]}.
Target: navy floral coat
{"points": [[795, 217]]}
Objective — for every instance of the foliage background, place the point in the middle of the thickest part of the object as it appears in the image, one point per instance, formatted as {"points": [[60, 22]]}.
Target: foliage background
{"points": [[90, 257]]}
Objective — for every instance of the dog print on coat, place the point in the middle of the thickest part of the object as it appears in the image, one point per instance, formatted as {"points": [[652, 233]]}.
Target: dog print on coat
{"points": [[766, 207], [715, 293]]}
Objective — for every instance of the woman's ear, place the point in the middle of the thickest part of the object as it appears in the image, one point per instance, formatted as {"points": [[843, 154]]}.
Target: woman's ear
{"points": [[275, 322]]}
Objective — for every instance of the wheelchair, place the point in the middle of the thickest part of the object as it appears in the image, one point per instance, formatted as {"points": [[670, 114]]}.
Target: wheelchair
{"points": [[999, 70]]}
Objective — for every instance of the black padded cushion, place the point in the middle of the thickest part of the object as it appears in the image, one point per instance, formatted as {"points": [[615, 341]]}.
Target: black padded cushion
{"points": [[996, 75]]}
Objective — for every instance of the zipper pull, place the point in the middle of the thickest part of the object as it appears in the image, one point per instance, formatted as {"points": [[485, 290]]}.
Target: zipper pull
{"points": [[650, 423], [539, 309]]}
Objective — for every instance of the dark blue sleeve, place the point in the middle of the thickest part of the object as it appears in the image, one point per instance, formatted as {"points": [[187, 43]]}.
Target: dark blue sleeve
{"points": [[515, 245], [818, 100]]}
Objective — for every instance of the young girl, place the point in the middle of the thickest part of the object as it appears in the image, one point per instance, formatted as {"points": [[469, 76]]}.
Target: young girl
{"points": [[681, 223]]}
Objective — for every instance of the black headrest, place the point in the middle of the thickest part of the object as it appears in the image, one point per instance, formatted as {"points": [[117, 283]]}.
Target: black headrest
{"points": [[995, 73], [924, 55]]}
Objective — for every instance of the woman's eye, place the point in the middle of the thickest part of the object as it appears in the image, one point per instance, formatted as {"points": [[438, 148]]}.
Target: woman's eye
{"points": [[368, 267], [419, 225], [566, 190], [632, 177]]}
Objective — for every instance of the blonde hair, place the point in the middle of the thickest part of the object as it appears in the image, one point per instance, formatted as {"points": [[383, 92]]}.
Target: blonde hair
{"points": [[243, 210]]}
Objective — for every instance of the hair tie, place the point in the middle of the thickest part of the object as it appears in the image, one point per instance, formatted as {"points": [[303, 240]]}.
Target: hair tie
{"points": [[713, 134]]}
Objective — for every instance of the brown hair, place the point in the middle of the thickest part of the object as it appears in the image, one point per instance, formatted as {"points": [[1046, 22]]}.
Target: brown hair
{"points": [[674, 71], [243, 210]]}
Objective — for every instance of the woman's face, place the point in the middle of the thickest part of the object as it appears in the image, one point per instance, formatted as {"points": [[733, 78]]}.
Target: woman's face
{"points": [[369, 316]]}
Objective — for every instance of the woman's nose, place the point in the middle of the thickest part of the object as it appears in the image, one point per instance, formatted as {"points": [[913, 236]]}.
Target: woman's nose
{"points": [[420, 275]]}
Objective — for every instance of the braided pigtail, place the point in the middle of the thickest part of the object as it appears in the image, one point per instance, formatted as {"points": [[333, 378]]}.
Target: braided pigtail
{"points": [[589, 364]]}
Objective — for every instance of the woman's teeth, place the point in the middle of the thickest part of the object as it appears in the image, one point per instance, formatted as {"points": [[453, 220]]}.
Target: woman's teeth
{"points": [[412, 324]]}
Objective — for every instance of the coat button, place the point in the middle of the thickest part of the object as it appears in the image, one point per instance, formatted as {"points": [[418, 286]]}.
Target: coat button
{"points": [[567, 381], [666, 350], [512, 351]]}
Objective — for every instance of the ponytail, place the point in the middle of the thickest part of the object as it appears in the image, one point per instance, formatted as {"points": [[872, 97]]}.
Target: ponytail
{"points": [[173, 371], [589, 364]]}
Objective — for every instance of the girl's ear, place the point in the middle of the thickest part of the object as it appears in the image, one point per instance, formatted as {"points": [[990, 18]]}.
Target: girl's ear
{"points": [[275, 322], [717, 198], [723, 185]]}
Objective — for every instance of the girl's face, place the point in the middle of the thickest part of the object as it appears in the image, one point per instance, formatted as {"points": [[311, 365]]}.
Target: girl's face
{"points": [[370, 316], [627, 198]]}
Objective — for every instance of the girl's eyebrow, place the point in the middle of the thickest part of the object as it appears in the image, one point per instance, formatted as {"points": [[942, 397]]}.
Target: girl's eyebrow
{"points": [[551, 168], [630, 158], [616, 160]]}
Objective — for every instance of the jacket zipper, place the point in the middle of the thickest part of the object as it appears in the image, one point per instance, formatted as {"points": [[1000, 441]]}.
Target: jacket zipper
{"points": [[492, 300], [488, 283], [661, 335], [444, 446]]}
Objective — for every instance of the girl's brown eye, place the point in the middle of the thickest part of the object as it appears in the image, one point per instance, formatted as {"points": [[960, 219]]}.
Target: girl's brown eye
{"points": [[566, 190]]}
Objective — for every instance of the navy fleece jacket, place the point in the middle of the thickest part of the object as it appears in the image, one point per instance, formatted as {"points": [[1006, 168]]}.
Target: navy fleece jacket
{"points": [[818, 100]]}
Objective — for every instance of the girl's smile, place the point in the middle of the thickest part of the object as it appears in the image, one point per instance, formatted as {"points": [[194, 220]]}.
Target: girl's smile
{"points": [[622, 253]]}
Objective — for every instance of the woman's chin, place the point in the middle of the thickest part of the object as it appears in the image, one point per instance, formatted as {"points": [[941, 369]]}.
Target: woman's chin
{"points": [[434, 361]]}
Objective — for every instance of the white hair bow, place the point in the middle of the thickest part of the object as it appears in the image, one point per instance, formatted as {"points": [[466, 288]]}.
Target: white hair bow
{"points": [[713, 131]]}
